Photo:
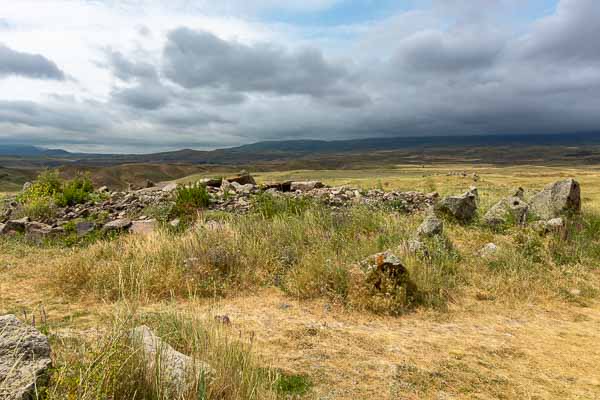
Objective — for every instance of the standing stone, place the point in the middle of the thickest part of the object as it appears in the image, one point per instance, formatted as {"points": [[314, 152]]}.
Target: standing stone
{"points": [[177, 370], [462, 207], [512, 208], [24, 359], [430, 227], [562, 197]]}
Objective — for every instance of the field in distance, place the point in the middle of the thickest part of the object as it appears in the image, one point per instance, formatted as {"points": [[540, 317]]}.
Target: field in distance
{"points": [[524, 324]]}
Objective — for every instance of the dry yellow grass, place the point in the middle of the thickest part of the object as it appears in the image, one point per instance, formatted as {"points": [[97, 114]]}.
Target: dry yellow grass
{"points": [[502, 336]]}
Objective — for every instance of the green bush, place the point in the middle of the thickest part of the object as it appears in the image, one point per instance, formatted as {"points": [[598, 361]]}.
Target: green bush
{"points": [[75, 191], [190, 198]]}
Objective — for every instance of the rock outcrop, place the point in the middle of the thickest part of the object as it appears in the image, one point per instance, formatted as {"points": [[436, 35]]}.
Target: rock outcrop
{"points": [[24, 359], [558, 198]]}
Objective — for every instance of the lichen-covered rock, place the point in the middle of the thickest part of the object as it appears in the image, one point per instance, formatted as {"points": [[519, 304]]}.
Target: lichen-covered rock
{"points": [[430, 227], [489, 250], [463, 207], [24, 359], [386, 266], [177, 370], [512, 209], [558, 198], [117, 225]]}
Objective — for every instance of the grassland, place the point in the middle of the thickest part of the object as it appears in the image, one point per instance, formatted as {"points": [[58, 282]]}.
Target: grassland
{"points": [[522, 325]]}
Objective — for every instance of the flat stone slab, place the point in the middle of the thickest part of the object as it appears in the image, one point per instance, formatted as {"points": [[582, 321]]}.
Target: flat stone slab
{"points": [[24, 359]]}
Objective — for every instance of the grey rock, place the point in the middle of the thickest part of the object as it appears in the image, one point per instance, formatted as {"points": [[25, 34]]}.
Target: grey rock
{"points": [[555, 223], [175, 223], [27, 186], [24, 359], [488, 250], [39, 231], [102, 189], [84, 227], [462, 207], [306, 186], [415, 246], [170, 187], [556, 199], [520, 193], [15, 226], [143, 227], [243, 178], [512, 208], [117, 225], [176, 369], [431, 226], [211, 182], [386, 266]]}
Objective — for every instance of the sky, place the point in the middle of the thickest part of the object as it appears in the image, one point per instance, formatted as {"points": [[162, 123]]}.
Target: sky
{"points": [[139, 76]]}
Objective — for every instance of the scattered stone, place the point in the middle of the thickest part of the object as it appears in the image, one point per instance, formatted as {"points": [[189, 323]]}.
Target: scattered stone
{"points": [[27, 186], [38, 231], [386, 266], [243, 178], [555, 223], [431, 226], [169, 187], [175, 223], [211, 182], [24, 359], [177, 370], [283, 187], [117, 225], [510, 209], [143, 227], [462, 207], [520, 193], [489, 250], [15, 226], [149, 184], [223, 319], [558, 198], [102, 189], [306, 186], [84, 227]]}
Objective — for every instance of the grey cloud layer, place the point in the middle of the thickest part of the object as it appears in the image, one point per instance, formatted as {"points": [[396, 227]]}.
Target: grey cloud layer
{"points": [[472, 77], [13, 62]]}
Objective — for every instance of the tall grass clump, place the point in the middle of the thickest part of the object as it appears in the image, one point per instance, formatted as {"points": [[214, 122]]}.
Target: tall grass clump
{"points": [[113, 366]]}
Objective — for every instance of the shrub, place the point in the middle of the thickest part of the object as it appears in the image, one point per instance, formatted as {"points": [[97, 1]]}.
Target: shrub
{"points": [[75, 191], [269, 205], [190, 198]]}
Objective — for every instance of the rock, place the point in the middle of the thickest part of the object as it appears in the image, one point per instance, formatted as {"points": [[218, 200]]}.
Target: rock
{"points": [[175, 223], [555, 223], [169, 187], [306, 186], [510, 209], [15, 226], [24, 359], [102, 189], [27, 186], [415, 246], [279, 187], [563, 197], [488, 250], [143, 227], [177, 370], [386, 266], [117, 225], [84, 227], [38, 231], [243, 178], [211, 182], [462, 207], [227, 186], [431, 226], [520, 193]]}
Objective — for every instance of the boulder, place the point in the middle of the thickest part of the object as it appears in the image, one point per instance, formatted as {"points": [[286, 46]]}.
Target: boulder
{"points": [[306, 186], [15, 226], [84, 227], [462, 207], [24, 359], [211, 182], [117, 225], [27, 186], [510, 209], [143, 227], [386, 267], [39, 231], [278, 186], [430, 227], [243, 178], [177, 370], [558, 198]]}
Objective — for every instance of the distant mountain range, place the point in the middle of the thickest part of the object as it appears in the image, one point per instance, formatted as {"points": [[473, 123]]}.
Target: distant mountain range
{"points": [[269, 151]]}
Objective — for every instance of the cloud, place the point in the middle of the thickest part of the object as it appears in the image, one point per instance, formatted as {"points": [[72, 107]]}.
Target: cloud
{"points": [[127, 70], [146, 95], [28, 65], [197, 59]]}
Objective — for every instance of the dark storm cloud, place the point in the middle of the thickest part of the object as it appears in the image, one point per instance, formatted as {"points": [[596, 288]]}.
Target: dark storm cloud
{"points": [[146, 95], [197, 59], [35, 66]]}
